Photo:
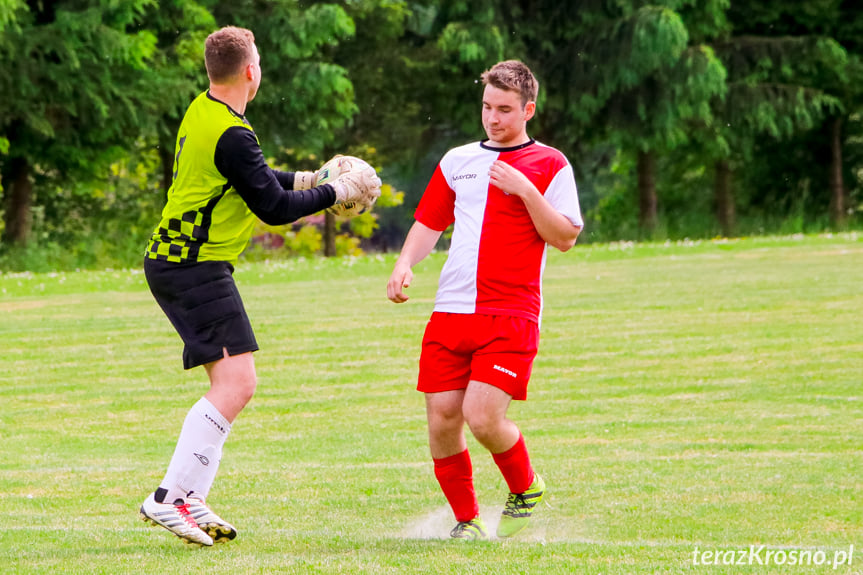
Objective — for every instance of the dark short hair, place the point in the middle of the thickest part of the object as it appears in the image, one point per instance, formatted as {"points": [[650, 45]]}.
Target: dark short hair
{"points": [[227, 51], [514, 76]]}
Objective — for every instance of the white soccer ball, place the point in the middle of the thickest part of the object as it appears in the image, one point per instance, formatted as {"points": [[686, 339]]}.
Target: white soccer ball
{"points": [[331, 170]]}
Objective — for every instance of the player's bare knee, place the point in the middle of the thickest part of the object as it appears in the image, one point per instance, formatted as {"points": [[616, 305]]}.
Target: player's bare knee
{"points": [[246, 389], [482, 425], [445, 422]]}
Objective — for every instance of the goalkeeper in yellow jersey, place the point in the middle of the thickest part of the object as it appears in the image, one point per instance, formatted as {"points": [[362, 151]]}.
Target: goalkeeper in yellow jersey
{"points": [[221, 185]]}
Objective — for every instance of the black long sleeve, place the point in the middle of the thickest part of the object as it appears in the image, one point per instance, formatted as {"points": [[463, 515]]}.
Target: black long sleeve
{"points": [[285, 179], [239, 158]]}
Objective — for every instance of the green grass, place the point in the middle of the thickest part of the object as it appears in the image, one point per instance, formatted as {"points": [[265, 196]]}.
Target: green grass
{"points": [[686, 396]]}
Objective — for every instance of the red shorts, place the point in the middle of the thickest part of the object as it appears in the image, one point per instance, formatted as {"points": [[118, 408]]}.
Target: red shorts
{"points": [[494, 349]]}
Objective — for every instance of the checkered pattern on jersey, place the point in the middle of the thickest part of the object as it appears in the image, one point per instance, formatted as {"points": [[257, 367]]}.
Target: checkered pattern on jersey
{"points": [[181, 240]]}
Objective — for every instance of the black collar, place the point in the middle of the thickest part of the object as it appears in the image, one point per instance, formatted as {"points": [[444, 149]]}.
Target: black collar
{"points": [[483, 145]]}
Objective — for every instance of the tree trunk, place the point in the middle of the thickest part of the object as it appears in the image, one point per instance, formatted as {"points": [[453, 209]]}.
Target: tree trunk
{"points": [[725, 212], [329, 235], [18, 215], [646, 192], [838, 195]]}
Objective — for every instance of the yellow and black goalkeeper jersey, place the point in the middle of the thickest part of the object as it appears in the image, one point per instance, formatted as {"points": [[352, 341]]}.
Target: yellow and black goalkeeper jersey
{"points": [[221, 184]]}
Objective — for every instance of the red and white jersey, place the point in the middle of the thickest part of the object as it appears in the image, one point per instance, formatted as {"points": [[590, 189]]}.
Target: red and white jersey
{"points": [[496, 258]]}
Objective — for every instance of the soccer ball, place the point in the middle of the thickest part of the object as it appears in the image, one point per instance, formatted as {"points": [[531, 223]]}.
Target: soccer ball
{"points": [[331, 170]]}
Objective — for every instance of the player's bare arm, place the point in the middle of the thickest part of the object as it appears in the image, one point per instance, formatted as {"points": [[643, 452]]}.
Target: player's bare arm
{"points": [[419, 243], [552, 226]]}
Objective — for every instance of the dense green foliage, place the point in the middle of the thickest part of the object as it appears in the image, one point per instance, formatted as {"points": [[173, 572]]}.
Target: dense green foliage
{"points": [[682, 118]]}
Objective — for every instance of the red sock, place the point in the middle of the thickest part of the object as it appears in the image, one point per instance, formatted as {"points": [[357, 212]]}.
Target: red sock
{"points": [[455, 475], [514, 464]]}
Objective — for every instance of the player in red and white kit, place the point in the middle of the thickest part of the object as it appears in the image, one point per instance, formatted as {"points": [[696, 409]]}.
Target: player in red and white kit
{"points": [[509, 197]]}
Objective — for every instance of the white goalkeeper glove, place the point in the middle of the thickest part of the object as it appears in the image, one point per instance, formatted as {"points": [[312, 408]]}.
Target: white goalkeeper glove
{"points": [[305, 180], [363, 187]]}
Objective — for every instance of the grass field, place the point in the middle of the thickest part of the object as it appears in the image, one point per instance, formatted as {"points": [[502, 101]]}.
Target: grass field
{"points": [[690, 401]]}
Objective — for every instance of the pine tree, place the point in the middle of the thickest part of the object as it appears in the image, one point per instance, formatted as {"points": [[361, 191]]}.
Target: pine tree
{"points": [[635, 75], [771, 93]]}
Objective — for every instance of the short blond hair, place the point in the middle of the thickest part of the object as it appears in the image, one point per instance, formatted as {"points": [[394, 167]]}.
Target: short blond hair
{"points": [[227, 51], [514, 76]]}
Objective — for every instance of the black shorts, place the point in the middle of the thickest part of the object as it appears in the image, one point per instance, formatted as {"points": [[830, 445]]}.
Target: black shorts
{"points": [[203, 304]]}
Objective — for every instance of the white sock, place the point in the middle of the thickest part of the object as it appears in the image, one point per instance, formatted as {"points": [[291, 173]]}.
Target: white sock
{"points": [[198, 453]]}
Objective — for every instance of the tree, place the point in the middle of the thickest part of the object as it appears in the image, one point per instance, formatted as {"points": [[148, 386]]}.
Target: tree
{"points": [[77, 90], [655, 81], [774, 63], [764, 100], [846, 27]]}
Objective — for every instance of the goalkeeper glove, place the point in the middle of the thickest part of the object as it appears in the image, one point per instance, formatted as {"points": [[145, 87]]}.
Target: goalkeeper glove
{"points": [[363, 187]]}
